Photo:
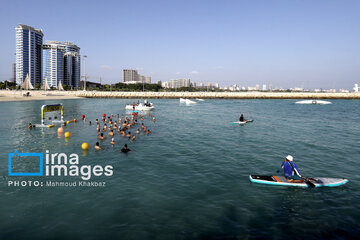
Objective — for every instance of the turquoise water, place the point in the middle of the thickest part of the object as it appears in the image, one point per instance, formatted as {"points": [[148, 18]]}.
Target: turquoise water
{"points": [[189, 178]]}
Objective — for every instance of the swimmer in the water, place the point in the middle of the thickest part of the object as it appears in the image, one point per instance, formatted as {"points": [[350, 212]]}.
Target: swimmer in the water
{"points": [[89, 122], [112, 141], [97, 121], [125, 149], [138, 131], [133, 138], [154, 120], [101, 137], [64, 124], [30, 126], [97, 146], [129, 134], [148, 131], [142, 125], [111, 133]]}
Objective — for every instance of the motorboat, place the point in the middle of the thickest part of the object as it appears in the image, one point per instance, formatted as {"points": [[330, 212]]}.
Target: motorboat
{"points": [[146, 106], [313, 102]]}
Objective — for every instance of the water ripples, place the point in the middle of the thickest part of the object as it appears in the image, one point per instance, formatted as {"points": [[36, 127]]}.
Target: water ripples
{"points": [[189, 178]]}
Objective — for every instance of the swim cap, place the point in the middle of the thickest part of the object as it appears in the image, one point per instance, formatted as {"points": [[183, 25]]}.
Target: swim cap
{"points": [[290, 158]]}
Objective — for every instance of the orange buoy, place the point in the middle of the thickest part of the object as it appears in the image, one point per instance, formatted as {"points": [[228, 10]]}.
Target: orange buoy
{"points": [[60, 130]]}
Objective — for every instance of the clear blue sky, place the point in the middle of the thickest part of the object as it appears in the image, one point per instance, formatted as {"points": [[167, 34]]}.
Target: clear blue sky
{"points": [[282, 42]]}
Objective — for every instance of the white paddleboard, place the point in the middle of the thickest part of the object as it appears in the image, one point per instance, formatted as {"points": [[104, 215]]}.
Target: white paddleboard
{"points": [[281, 181]]}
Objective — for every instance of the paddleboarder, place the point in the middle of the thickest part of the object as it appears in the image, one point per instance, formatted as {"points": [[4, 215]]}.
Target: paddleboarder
{"points": [[241, 118], [291, 171]]}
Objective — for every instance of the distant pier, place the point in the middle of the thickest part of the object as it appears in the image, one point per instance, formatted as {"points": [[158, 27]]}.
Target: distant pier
{"points": [[53, 95], [220, 95]]}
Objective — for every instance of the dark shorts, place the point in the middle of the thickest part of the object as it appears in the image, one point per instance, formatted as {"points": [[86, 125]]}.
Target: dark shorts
{"points": [[295, 177]]}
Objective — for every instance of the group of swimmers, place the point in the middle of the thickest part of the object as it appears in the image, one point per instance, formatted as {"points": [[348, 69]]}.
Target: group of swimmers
{"points": [[122, 125]]}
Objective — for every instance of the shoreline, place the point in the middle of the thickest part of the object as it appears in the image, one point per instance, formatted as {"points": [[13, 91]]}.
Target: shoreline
{"points": [[16, 96], [9, 96]]}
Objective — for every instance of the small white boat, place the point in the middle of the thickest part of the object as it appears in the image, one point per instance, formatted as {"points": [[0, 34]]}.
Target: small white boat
{"points": [[188, 101], [141, 106], [313, 102], [200, 100]]}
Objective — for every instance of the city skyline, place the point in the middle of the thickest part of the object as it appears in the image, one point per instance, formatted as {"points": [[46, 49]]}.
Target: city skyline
{"points": [[285, 44], [52, 64]]}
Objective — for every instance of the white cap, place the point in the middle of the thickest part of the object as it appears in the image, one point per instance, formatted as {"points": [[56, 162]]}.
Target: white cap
{"points": [[290, 158]]}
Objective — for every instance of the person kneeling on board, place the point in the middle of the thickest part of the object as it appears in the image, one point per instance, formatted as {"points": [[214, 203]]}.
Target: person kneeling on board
{"points": [[291, 171], [242, 119]]}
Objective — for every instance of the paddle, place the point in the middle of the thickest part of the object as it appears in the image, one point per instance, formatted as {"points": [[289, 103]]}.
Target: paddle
{"points": [[306, 180]]}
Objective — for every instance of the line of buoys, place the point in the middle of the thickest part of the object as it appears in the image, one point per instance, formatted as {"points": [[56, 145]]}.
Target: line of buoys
{"points": [[50, 126], [70, 121]]}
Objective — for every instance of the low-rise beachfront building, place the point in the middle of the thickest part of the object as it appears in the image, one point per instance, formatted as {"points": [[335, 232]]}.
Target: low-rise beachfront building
{"points": [[131, 76], [177, 83], [356, 87]]}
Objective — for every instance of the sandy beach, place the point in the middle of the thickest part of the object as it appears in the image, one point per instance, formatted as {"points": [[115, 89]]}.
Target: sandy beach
{"points": [[54, 95], [9, 96]]}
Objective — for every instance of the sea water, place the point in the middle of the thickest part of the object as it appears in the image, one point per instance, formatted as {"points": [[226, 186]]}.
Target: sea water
{"points": [[188, 179]]}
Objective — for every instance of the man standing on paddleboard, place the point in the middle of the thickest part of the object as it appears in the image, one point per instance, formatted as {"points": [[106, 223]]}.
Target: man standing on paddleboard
{"points": [[291, 171]]}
